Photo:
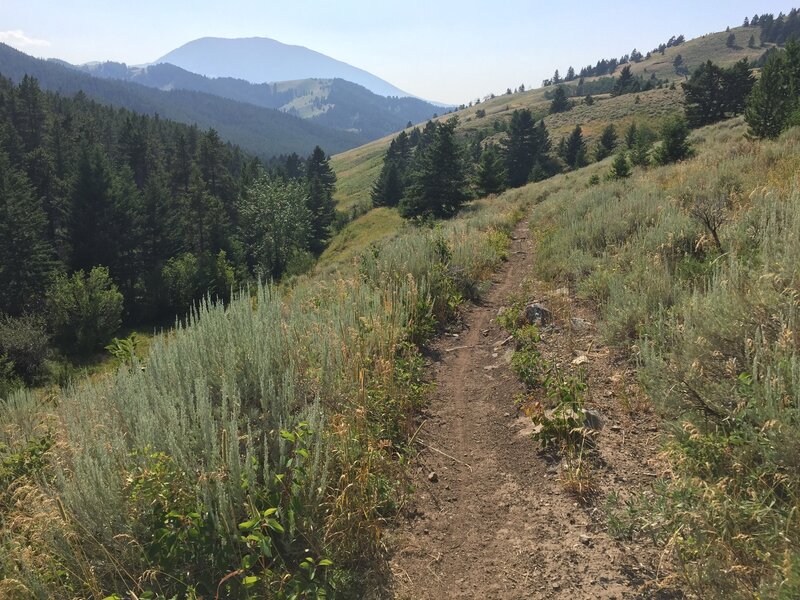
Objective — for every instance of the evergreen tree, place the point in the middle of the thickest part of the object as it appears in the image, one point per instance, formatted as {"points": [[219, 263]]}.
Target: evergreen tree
{"points": [[26, 257], [490, 175], [626, 83], [390, 185], [91, 211], [294, 166], [620, 168], [575, 149], [204, 224], [713, 93], [438, 180], [29, 114], [705, 95], [674, 142], [321, 186], [751, 43], [738, 84], [589, 101], [772, 100], [560, 102], [730, 42], [630, 136], [526, 144], [606, 143]]}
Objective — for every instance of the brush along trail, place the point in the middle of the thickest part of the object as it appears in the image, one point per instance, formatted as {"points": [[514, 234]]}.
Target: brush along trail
{"points": [[492, 517]]}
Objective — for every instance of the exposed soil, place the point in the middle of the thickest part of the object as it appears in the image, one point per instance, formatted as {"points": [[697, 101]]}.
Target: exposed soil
{"points": [[492, 517]]}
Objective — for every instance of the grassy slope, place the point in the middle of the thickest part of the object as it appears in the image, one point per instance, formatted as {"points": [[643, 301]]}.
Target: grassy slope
{"points": [[694, 52], [358, 168], [699, 321]]}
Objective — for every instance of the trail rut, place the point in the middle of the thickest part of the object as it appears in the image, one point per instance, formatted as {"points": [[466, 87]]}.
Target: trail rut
{"points": [[490, 518]]}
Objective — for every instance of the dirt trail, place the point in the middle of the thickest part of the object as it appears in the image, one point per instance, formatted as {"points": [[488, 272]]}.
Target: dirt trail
{"points": [[491, 518]]}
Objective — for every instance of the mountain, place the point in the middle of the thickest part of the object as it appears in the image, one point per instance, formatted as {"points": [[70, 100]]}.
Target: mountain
{"points": [[334, 103], [261, 131], [262, 60]]}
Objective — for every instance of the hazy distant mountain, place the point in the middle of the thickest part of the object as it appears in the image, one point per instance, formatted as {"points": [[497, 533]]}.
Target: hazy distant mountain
{"points": [[264, 60], [335, 103], [262, 131]]}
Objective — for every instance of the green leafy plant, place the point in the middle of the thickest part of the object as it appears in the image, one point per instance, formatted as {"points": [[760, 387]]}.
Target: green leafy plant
{"points": [[124, 350]]}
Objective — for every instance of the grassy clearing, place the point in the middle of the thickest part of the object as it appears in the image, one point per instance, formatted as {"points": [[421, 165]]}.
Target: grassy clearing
{"points": [[258, 451], [375, 226], [712, 327]]}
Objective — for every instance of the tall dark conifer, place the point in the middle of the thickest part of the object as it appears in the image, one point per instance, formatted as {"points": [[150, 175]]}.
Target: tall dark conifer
{"points": [[438, 179], [321, 186], [26, 257]]}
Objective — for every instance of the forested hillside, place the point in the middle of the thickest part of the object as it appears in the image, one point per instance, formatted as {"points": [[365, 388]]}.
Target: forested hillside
{"points": [[263, 132], [334, 103], [112, 217]]}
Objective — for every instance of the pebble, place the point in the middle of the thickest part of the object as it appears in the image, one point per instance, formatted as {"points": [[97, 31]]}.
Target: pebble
{"points": [[433, 477]]}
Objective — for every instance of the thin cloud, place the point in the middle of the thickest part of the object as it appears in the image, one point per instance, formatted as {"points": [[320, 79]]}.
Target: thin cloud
{"points": [[17, 39]]}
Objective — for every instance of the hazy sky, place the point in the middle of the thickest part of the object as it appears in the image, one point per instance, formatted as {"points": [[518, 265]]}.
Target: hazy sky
{"points": [[444, 50]]}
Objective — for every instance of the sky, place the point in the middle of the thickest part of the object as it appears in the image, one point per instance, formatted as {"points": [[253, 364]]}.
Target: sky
{"points": [[442, 50]]}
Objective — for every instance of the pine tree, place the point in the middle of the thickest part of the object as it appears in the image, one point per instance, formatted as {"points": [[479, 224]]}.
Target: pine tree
{"points": [[626, 83], [630, 136], [771, 102], [751, 43], [738, 82], [575, 149], [490, 175], [560, 102], [526, 144], [26, 257], [606, 143], [704, 95], [620, 168], [390, 185], [29, 113], [91, 214], [321, 186], [674, 142], [438, 179], [731, 41]]}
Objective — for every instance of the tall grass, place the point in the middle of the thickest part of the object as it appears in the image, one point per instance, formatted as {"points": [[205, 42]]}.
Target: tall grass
{"points": [[257, 442], [712, 326]]}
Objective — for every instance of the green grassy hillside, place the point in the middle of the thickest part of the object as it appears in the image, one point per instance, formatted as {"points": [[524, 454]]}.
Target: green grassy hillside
{"points": [[358, 168], [712, 46], [711, 328]]}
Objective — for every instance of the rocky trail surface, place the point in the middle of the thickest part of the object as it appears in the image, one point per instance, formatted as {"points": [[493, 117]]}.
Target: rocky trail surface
{"points": [[491, 516]]}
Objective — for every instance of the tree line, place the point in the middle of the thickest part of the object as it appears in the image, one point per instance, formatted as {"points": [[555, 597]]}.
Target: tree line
{"points": [[776, 30], [431, 173], [609, 66], [107, 216]]}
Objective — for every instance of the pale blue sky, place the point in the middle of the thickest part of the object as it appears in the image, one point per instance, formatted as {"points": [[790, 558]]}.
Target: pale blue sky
{"points": [[445, 50]]}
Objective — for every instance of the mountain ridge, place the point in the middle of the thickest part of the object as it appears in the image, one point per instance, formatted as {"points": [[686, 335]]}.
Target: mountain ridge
{"points": [[233, 57], [261, 131], [335, 103]]}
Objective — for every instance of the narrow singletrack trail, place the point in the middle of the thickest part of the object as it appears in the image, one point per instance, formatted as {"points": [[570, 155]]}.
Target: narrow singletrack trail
{"points": [[490, 517]]}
